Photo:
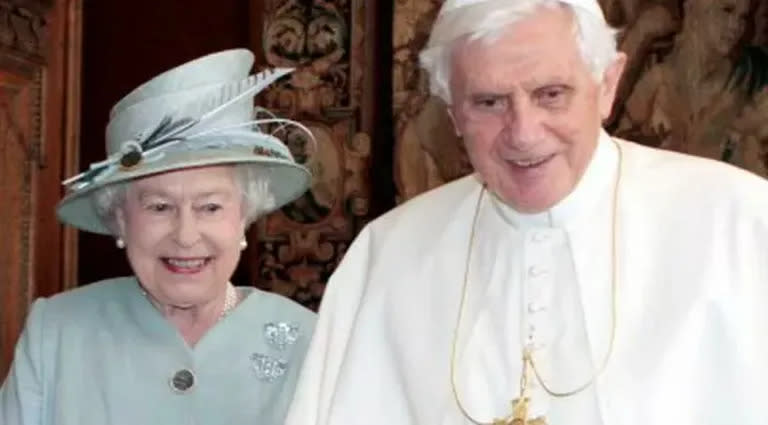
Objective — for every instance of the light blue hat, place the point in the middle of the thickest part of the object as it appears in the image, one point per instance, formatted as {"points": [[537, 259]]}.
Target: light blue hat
{"points": [[198, 114]]}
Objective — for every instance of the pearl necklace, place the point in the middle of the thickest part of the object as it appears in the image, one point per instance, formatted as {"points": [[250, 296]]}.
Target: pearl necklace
{"points": [[230, 299]]}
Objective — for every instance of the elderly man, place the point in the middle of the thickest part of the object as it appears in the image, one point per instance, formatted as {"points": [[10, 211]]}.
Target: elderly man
{"points": [[574, 279]]}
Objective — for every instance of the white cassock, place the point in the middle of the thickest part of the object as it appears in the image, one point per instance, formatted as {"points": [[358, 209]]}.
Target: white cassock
{"points": [[691, 345]]}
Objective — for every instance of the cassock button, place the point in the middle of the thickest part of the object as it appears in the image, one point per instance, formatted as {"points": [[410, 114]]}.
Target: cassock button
{"points": [[531, 333], [182, 381], [534, 271]]}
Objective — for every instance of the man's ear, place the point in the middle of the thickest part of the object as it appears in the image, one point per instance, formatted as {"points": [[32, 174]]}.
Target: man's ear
{"points": [[453, 121], [610, 84]]}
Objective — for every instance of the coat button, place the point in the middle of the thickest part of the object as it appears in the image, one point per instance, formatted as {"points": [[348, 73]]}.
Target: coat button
{"points": [[182, 381]]}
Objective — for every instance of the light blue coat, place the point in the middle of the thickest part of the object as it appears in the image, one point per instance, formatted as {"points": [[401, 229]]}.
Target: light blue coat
{"points": [[103, 355]]}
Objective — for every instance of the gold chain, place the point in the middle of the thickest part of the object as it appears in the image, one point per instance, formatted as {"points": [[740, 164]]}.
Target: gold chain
{"points": [[527, 355]]}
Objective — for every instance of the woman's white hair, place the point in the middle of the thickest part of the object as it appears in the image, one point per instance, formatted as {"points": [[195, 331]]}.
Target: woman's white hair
{"points": [[596, 39], [252, 180]]}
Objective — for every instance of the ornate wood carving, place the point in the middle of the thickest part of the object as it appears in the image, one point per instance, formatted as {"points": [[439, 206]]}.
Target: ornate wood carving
{"points": [[22, 33], [35, 115], [19, 156], [324, 41]]}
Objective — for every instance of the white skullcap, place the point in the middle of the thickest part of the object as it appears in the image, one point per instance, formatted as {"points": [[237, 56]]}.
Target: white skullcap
{"points": [[450, 25]]}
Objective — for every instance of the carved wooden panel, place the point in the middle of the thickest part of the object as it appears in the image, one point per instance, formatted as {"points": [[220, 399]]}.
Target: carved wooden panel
{"points": [[19, 156], [325, 41], [33, 139], [695, 82]]}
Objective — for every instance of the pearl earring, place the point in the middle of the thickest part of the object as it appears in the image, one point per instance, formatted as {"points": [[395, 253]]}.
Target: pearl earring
{"points": [[120, 243], [243, 244]]}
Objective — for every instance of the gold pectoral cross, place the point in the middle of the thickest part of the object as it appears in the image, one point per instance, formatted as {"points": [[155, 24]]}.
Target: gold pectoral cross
{"points": [[519, 414]]}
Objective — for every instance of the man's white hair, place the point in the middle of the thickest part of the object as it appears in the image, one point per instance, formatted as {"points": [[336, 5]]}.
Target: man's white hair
{"points": [[252, 180], [486, 21]]}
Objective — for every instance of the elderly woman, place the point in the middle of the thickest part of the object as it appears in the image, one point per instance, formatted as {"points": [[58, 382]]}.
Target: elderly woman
{"points": [[188, 170]]}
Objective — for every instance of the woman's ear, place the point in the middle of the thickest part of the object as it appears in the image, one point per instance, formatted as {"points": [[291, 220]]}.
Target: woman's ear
{"points": [[119, 222]]}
